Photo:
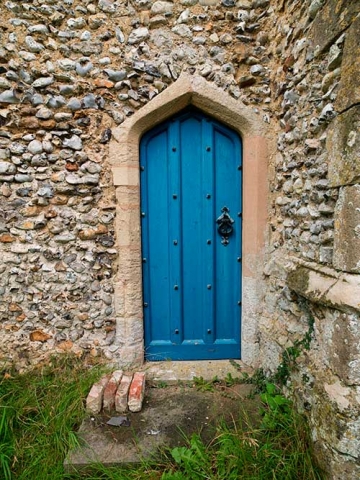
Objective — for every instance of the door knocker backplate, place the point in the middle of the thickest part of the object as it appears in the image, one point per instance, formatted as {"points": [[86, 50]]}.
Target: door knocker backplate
{"points": [[225, 227]]}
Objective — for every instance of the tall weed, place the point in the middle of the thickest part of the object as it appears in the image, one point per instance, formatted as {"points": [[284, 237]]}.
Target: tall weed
{"points": [[39, 412]]}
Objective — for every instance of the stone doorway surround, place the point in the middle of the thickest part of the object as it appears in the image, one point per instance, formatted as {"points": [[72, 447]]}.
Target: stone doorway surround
{"points": [[124, 161]]}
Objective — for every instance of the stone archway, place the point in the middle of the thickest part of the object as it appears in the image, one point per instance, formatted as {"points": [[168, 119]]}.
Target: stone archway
{"points": [[124, 160]]}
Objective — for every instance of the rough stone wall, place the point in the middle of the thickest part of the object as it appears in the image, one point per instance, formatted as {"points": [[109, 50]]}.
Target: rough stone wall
{"points": [[72, 70], [314, 255]]}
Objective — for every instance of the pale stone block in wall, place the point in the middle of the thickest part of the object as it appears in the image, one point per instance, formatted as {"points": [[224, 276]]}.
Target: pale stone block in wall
{"points": [[343, 148], [324, 285], [126, 175], [128, 194], [130, 331], [337, 333], [349, 89], [331, 20], [347, 230], [335, 425]]}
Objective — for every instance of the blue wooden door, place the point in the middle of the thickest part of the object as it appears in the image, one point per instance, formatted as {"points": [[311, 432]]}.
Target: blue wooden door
{"points": [[191, 239]]}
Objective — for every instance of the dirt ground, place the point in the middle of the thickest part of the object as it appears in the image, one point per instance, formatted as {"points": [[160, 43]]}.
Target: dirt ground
{"points": [[170, 415]]}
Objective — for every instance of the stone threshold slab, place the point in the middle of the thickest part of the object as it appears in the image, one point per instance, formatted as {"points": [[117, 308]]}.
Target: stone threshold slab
{"points": [[168, 414], [173, 372]]}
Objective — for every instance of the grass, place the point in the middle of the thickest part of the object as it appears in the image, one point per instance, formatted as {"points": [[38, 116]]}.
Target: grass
{"points": [[41, 410]]}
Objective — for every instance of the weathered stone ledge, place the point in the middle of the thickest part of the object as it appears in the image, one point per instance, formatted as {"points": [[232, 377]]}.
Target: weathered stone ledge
{"points": [[322, 285]]}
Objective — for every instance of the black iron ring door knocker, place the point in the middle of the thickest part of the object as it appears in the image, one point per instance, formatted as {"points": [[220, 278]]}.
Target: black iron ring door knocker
{"points": [[225, 227]]}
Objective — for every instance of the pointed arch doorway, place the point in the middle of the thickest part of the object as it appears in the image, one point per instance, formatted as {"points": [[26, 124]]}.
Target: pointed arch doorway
{"points": [[191, 223], [127, 347]]}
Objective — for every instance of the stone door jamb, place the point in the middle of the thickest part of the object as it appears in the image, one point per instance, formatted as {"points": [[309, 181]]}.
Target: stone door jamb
{"points": [[124, 160]]}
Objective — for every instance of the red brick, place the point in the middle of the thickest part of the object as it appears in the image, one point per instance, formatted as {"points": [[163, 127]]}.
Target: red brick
{"points": [[121, 397], [110, 391], [136, 392], [95, 398]]}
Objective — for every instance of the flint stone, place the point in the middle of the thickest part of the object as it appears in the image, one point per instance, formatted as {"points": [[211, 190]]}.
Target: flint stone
{"points": [[107, 6], [62, 116], [4, 153], [89, 101], [115, 75], [347, 230], [74, 104], [343, 148], [27, 56], [46, 192], [246, 81], [66, 34], [64, 238], [35, 147], [209, 2], [32, 45], [335, 56], [56, 101], [88, 48], [44, 113], [66, 64], [160, 8], [25, 77], [22, 178], [182, 30], [67, 90], [37, 99], [4, 84], [43, 82], [76, 23], [9, 96], [256, 69], [83, 68], [138, 35], [119, 35], [41, 28], [74, 143], [86, 35], [6, 167], [17, 148]]}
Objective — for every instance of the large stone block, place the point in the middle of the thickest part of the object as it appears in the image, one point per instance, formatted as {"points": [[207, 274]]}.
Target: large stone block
{"points": [[343, 147], [323, 285], [347, 230], [349, 89], [333, 19], [337, 334], [335, 428]]}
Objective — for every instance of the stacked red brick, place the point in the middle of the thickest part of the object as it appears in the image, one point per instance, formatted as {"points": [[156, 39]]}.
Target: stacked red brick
{"points": [[118, 392]]}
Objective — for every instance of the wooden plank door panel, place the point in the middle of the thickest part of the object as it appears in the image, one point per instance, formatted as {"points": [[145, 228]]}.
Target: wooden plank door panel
{"points": [[191, 170]]}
